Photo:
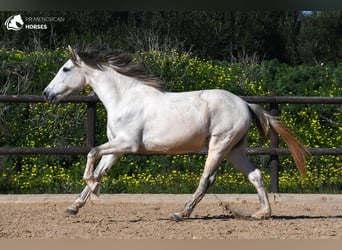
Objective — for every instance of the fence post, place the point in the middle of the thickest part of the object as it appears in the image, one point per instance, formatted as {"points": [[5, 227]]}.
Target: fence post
{"points": [[274, 174], [91, 123]]}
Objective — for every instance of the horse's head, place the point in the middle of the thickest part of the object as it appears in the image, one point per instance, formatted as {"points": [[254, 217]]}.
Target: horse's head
{"points": [[14, 22], [69, 79]]}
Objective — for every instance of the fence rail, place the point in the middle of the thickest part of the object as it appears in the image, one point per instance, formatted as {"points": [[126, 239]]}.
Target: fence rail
{"points": [[85, 150], [253, 99], [273, 151]]}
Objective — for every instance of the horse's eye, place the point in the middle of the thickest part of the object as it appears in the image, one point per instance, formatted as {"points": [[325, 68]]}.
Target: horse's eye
{"points": [[66, 69]]}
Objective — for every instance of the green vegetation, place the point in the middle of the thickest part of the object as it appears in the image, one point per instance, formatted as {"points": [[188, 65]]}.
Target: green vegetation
{"points": [[292, 37], [50, 125]]}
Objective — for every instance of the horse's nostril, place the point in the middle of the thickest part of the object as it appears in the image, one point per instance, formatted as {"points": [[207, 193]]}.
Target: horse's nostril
{"points": [[45, 95]]}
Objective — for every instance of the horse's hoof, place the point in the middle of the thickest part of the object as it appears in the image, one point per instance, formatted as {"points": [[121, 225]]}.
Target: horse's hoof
{"points": [[261, 215], [177, 217], [70, 211]]}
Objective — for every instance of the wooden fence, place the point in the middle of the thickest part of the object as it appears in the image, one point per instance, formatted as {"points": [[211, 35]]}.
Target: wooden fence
{"points": [[273, 151]]}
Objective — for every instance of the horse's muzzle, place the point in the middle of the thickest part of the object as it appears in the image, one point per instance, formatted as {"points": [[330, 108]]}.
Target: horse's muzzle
{"points": [[49, 96]]}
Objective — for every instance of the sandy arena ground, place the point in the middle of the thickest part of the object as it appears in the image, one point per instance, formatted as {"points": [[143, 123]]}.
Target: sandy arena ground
{"points": [[147, 217]]}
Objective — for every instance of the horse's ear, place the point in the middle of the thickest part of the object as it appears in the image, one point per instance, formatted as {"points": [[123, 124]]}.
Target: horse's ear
{"points": [[74, 57]]}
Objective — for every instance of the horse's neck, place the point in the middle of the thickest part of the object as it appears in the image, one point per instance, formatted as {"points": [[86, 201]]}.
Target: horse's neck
{"points": [[111, 87]]}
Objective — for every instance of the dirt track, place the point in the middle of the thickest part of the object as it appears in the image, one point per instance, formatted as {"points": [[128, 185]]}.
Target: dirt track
{"points": [[139, 216]]}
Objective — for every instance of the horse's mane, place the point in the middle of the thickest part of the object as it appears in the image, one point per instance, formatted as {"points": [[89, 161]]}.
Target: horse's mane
{"points": [[122, 63]]}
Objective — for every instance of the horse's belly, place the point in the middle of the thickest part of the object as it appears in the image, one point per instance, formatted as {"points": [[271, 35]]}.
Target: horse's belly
{"points": [[174, 144], [176, 137]]}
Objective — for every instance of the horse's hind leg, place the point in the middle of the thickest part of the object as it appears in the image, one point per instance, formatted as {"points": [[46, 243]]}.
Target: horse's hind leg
{"points": [[104, 165], [242, 163], [207, 179]]}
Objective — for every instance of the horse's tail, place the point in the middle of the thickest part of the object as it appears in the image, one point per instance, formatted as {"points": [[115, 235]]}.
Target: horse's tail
{"points": [[264, 121]]}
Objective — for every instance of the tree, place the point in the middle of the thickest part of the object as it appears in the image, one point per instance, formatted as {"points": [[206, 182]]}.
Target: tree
{"points": [[320, 38]]}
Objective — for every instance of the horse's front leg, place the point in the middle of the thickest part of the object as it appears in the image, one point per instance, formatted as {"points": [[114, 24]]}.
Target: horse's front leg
{"points": [[79, 202], [94, 154], [109, 152], [88, 175], [116, 147], [103, 167]]}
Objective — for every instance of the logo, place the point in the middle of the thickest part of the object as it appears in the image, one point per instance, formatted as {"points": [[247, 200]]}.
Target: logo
{"points": [[14, 22]]}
